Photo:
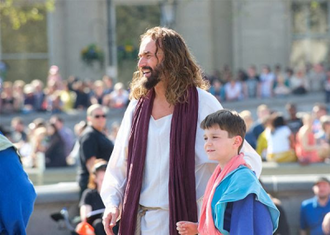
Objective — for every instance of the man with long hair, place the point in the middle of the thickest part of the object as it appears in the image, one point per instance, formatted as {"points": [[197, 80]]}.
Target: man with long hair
{"points": [[158, 170]]}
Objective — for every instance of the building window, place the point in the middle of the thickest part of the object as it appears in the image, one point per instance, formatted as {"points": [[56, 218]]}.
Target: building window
{"points": [[310, 28]]}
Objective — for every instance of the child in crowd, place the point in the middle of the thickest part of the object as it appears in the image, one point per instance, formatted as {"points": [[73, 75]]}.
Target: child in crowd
{"points": [[91, 201], [234, 200]]}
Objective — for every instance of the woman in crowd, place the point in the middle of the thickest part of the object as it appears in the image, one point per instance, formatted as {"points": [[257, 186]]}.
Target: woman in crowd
{"points": [[280, 140], [54, 151], [307, 150]]}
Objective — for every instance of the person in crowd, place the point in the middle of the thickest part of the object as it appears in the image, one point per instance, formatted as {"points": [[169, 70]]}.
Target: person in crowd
{"points": [[280, 140], [94, 144], [281, 87], [241, 75], [262, 144], [249, 136], [234, 200], [319, 110], [54, 152], [316, 77], [118, 98], [288, 74], [82, 97], [278, 71], [225, 73], [293, 121], [326, 85], [73, 157], [53, 102], [313, 210], [216, 75], [97, 95], [324, 134], [91, 204], [65, 133], [29, 99], [18, 194], [72, 79], [54, 76], [38, 141], [160, 137], [18, 134], [299, 83], [267, 79], [258, 126], [218, 90], [19, 137], [252, 83], [8, 102], [19, 94], [67, 97], [108, 84], [307, 150], [323, 137], [39, 95], [233, 90]]}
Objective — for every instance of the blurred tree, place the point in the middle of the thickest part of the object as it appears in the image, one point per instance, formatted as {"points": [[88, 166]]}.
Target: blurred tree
{"points": [[19, 12]]}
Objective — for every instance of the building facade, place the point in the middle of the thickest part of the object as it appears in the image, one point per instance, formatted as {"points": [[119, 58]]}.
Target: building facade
{"points": [[237, 33]]}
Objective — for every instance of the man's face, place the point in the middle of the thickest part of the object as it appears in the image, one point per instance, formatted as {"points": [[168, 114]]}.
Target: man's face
{"points": [[149, 62], [98, 119], [322, 190]]}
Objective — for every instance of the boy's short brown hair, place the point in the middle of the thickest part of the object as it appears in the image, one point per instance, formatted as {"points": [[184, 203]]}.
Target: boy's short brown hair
{"points": [[227, 121]]}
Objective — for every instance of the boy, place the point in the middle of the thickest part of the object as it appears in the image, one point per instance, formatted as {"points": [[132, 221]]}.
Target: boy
{"points": [[234, 200]]}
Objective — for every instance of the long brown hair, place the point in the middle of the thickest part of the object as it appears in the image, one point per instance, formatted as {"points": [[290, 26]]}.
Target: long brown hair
{"points": [[178, 68]]}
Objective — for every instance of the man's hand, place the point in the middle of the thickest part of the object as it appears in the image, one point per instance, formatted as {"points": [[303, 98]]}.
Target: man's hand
{"points": [[109, 219], [187, 228]]}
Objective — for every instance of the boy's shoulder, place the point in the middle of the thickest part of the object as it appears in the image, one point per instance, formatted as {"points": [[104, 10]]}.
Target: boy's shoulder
{"points": [[240, 182], [241, 175]]}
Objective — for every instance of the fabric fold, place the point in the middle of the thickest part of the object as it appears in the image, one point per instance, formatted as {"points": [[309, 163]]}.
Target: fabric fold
{"points": [[182, 190], [206, 224]]}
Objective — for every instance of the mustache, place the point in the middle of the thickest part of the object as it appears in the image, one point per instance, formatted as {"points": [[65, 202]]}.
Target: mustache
{"points": [[147, 67]]}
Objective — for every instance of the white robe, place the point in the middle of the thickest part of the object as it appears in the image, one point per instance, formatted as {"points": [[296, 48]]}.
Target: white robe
{"points": [[154, 191]]}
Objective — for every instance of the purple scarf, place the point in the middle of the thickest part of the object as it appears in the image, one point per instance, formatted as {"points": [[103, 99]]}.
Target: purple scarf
{"points": [[182, 190]]}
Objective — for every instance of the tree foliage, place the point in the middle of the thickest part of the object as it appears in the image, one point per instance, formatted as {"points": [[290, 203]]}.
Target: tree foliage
{"points": [[19, 12]]}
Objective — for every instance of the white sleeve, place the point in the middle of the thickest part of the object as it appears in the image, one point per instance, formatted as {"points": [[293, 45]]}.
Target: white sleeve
{"points": [[115, 178], [252, 158]]}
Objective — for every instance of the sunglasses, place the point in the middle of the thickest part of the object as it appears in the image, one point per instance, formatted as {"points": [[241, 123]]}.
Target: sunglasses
{"points": [[99, 116]]}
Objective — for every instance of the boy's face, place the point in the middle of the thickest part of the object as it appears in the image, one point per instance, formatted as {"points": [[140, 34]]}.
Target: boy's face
{"points": [[218, 146]]}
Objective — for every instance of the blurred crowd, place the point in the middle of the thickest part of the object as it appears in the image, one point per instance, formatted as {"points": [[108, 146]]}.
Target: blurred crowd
{"points": [[59, 95], [269, 83], [57, 144], [277, 137], [295, 136]]}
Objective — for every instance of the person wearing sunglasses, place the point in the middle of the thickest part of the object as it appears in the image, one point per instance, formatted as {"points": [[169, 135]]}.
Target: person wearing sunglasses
{"points": [[94, 144]]}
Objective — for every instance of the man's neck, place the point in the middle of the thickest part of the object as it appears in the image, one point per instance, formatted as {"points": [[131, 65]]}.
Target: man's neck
{"points": [[160, 91], [323, 201], [161, 106]]}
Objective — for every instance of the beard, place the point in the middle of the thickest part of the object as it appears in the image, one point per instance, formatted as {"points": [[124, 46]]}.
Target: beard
{"points": [[153, 79]]}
